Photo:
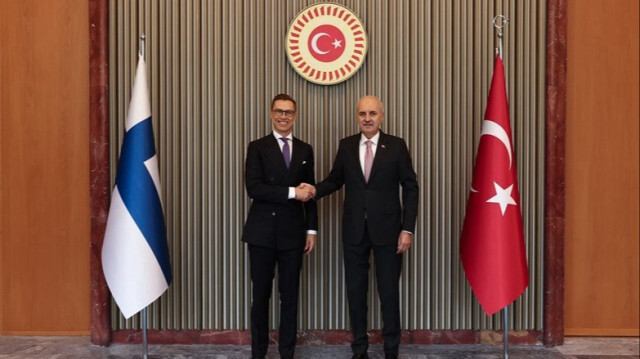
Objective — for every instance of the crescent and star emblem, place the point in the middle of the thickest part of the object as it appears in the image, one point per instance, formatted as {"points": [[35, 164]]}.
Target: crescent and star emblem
{"points": [[314, 43], [326, 43], [503, 195]]}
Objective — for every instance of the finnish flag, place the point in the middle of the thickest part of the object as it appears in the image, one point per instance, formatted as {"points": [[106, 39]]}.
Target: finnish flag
{"points": [[135, 255]]}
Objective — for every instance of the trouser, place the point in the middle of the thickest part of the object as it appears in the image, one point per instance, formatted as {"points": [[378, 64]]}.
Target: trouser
{"points": [[263, 262], [388, 268]]}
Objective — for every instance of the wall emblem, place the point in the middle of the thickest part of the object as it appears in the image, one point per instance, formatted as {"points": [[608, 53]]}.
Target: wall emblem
{"points": [[326, 43]]}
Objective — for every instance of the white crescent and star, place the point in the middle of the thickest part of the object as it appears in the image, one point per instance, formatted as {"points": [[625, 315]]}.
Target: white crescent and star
{"points": [[503, 195], [314, 43]]}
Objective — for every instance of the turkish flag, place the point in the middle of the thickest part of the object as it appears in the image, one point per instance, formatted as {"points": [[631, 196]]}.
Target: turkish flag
{"points": [[492, 243]]}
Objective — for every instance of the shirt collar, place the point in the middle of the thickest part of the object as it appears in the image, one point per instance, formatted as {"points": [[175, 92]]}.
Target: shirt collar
{"points": [[279, 136], [374, 139]]}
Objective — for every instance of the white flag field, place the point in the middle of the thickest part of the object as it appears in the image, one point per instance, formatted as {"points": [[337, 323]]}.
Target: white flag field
{"points": [[135, 255]]}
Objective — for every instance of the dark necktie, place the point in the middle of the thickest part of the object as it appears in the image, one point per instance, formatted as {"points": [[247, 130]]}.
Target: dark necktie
{"points": [[286, 153]]}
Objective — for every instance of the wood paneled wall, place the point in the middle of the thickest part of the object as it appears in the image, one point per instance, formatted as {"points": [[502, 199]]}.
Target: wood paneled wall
{"points": [[602, 169], [44, 167]]}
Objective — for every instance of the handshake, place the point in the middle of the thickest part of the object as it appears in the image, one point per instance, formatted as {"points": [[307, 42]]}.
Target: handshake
{"points": [[305, 192]]}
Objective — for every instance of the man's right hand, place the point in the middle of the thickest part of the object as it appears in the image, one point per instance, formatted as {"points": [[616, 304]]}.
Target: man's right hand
{"points": [[305, 192]]}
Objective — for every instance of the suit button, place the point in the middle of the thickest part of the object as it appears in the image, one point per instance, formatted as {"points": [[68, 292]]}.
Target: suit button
{"points": [[273, 213]]}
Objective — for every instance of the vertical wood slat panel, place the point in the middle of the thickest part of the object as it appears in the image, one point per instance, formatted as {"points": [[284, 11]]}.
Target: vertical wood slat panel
{"points": [[214, 67]]}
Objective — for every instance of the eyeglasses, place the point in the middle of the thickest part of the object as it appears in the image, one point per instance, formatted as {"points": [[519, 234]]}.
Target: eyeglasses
{"points": [[287, 113]]}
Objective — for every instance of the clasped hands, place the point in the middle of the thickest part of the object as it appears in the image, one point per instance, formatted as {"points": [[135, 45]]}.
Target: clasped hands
{"points": [[305, 192]]}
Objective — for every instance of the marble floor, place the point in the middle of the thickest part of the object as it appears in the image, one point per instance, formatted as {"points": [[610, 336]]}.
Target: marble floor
{"points": [[80, 347]]}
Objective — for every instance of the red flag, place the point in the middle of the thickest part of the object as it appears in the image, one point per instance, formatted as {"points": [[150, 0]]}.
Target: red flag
{"points": [[492, 243]]}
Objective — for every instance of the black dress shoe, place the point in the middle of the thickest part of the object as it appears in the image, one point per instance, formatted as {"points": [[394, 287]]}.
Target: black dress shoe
{"points": [[360, 356], [256, 357], [390, 356]]}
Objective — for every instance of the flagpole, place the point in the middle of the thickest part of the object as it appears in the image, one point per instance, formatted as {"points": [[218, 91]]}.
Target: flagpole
{"points": [[499, 22], [142, 38], [138, 203], [145, 344], [505, 341]]}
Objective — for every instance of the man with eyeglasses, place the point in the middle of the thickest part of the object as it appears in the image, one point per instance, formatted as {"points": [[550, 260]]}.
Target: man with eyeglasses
{"points": [[281, 225]]}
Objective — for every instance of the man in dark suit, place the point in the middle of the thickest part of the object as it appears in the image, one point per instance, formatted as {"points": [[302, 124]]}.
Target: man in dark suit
{"points": [[281, 225], [372, 166]]}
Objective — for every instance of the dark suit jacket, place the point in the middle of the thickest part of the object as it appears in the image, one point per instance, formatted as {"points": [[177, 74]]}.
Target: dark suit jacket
{"points": [[273, 220], [380, 197]]}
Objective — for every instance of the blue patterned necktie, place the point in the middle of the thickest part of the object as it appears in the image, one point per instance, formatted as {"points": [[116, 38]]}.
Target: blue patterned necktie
{"points": [[286, 153]]}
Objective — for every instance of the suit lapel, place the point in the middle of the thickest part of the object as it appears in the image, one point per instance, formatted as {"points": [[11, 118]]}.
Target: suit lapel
{"points": [[275, 153], [296, 155], [381, 153], [355, 155]]}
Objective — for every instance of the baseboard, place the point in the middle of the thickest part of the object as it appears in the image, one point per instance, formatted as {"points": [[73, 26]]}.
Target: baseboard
{"points": [[326, 337], [602, 332], [45, 333]]}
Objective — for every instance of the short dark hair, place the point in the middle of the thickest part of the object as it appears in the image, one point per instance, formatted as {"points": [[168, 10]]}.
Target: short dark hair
{"points": [[284, 97]]}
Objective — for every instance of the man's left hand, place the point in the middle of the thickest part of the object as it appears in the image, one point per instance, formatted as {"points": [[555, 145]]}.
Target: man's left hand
{"points": [[404, 242]]}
